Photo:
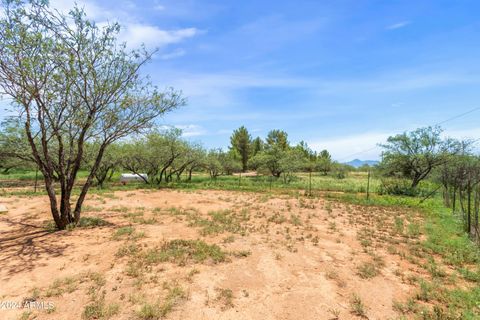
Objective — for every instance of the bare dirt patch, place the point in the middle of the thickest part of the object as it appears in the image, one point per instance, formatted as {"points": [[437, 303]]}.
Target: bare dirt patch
{"points": [[207, 255]]}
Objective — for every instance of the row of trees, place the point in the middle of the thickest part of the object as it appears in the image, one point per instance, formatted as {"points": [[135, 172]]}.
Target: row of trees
{"points": [[460, 179], [424, 153], [276, 155], [164, 156]]}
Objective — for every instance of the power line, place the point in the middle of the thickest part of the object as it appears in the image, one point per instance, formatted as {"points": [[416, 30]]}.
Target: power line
{"points": [[437, 124], [458, 116], [357, 153]]}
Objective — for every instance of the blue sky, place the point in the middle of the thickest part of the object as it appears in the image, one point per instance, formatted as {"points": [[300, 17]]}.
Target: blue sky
{"points": [[341, 75]]}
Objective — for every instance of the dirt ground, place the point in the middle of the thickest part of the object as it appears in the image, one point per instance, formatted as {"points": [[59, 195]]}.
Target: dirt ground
{"points": [[286, 258]]}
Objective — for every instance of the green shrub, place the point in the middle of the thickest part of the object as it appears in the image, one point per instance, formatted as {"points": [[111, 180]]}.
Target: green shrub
{"points": [[397, 187]]}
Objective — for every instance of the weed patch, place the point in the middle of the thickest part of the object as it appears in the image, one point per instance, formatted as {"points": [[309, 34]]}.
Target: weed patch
{"points": [[183, 252]]}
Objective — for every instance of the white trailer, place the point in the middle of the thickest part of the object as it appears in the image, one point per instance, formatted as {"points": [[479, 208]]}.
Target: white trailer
{"points": [[131, 177]]}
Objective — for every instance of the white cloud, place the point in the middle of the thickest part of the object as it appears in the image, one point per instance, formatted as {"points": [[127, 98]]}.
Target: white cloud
{"points": [[192, 130], [352, 146], [398, 25], [226, 89], [134, 34], [397, 104], [179, 52], [204, 83], [462, 133], [159, 7], [221, 89], [92, 10], [188, 130]]}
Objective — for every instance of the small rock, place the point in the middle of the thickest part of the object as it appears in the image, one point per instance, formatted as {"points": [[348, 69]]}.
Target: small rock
{"points": [[3, 208]]}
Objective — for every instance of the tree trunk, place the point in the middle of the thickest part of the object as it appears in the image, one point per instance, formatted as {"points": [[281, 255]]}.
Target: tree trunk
{"points": [[86, 186], [112, 171], [476, 208], [415, 182], [65, 206], [454, 200], [162, 172], [469, 210], [53, 204], [446, 196], [101, 178]]}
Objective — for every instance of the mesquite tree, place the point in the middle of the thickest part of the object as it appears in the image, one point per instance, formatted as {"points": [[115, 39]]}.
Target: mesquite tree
{"points": [[415, 154], [72, 83], [153, 154]]}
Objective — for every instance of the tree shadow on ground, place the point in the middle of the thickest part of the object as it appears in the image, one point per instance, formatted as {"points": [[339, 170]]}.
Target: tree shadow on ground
{"points": [[25, 246]]}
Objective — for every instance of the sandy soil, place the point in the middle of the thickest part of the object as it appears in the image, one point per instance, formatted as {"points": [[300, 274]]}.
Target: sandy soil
{"points": [[303, 258]]}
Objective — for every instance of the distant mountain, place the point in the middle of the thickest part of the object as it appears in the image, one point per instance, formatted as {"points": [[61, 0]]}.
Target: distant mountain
{"points": [[358, 163]]}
